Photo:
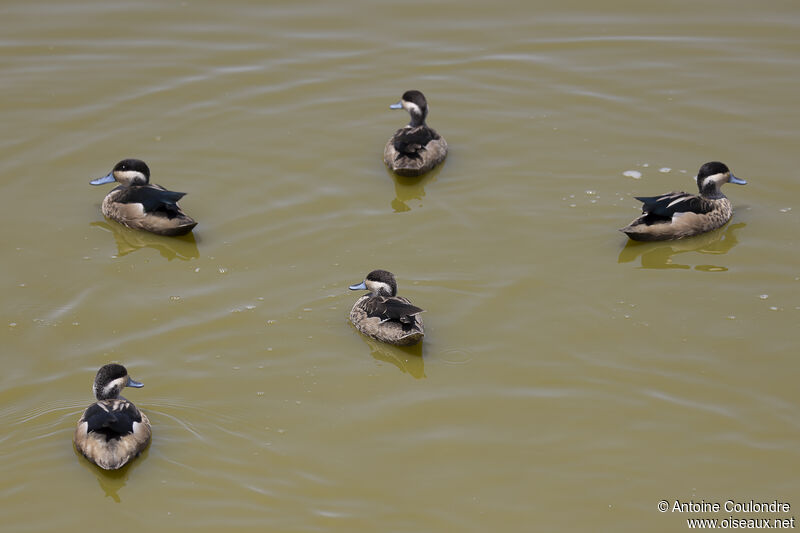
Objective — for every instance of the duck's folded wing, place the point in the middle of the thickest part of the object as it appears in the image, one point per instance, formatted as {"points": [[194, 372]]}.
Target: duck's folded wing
{"points": [[667, 205], [116, 419], [391, 308], [152, 198], [411, 141]]}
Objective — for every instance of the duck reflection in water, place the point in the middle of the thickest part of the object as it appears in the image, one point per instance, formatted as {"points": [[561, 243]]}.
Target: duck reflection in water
{"points": [[660, 255], [407, 189], [111, 481], [128, 240], [406, 358]]}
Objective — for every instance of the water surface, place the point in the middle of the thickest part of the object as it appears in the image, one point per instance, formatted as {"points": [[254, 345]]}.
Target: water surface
{"points": [[568, 381]]}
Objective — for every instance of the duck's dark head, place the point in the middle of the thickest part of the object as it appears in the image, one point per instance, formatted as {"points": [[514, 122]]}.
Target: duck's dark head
{"points": [[414, 102], [127, 172], [110, 380], [378, 282], [712, 176]]}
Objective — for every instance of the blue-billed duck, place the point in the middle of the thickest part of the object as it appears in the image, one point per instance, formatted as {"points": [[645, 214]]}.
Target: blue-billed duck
{"points": [[677, 215], [138, 204], [112, 431], [416, 148], [383, 315]]}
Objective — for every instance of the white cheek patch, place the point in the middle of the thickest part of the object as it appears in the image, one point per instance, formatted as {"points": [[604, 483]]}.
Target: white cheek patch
{"points": [[378, 286], [128, 175], [411, 107], [718, 179], [118, 383]]}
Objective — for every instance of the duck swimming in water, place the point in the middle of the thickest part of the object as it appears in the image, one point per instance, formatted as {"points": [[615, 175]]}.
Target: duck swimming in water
{"points": [[677, 215], [416, 148], [138, 204], [112, 431], [383, 315]]}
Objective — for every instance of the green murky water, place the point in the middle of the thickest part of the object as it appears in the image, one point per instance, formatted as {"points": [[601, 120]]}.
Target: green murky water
{"points": [[568, 381]]}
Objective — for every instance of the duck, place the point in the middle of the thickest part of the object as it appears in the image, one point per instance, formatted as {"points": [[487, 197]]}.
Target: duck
{"points": [[384, 316], [112, 431], [138, 204], [677, 215], [416, 148]]}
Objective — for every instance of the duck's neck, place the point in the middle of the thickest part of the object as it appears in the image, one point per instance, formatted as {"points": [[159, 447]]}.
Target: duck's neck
{"points": [[417, 119], [712, 193]]}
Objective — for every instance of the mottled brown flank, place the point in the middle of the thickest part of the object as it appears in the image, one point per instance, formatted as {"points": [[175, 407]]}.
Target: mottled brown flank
{"points": [[116, 452], [686, 225], [433, 154], [390, 331], [133, 216]]}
